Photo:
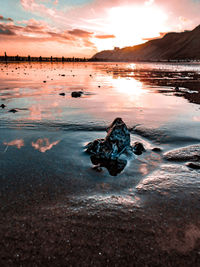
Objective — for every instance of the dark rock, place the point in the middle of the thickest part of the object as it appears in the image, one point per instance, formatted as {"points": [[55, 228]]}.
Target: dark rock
{"points": [[118, 136], [44, 81], [63, 94], [77, 94], [109, 152], [116, 121], [3, 106], [13, 110], [94, 147], [193, 165], [177, 89], [188, 153], [114, 166], [156, 149], [138, 148]]}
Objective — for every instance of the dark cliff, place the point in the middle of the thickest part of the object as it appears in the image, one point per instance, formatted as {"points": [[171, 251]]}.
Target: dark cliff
{"points": [[173, 46]]}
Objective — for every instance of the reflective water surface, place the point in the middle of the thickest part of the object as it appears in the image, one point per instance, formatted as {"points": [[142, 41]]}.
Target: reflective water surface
{"points": [[41, 144]]}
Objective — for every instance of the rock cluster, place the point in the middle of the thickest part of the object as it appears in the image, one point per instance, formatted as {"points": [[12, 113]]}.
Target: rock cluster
{"points": [[113, 151]]}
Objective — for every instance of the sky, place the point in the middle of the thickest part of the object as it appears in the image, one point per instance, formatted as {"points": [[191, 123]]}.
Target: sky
{"points": [[82, 28]]}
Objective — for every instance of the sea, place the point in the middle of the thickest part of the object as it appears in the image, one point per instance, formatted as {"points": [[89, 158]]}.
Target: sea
{"points": [[44, 130]]}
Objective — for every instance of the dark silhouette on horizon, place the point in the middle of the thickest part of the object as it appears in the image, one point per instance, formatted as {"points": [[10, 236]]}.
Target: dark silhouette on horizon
{"points": [[63, 59], [181, 46]]}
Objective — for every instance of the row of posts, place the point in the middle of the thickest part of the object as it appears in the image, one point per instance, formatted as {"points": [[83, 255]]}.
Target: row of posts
{"points": [[40, 59]]}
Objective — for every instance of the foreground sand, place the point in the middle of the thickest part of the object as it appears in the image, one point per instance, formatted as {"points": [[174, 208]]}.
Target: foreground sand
{"points": [[71, 233]]}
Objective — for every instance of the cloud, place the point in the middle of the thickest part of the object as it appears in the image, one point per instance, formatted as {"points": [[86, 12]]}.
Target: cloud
{"points": [[5, 19], [5, 30], [96, 10], [84, 25], [39, 8], [80, 33], [37, 35], [108, 36], [41, 30]]}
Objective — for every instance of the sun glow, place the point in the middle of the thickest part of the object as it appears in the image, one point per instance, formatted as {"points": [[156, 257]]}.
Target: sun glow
{"points": [[133, 25]]}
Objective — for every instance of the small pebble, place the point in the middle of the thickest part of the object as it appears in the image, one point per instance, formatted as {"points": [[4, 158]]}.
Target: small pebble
{"points": [[138, 148], [13, 110], [77, 94]]}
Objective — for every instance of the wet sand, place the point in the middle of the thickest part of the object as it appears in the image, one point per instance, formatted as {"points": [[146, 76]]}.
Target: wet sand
{"points": [[161, 233], [56, 210]]}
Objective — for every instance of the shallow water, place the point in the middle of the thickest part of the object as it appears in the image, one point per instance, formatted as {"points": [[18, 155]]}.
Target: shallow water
{"points": [[41, 145]]}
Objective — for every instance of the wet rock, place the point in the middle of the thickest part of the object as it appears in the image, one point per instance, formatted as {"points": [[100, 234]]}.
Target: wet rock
{"points": [[118, 136], [193, 165], [114, 166], [138, 148], [13, 110], [3, 106], [112, 152], [77, 94], [62, 94], [171, 179], [188, 153], [94, 147]]}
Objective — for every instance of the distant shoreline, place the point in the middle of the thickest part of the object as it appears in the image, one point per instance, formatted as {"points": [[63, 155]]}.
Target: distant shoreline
{"points": [[41, 59], [18, 59]]}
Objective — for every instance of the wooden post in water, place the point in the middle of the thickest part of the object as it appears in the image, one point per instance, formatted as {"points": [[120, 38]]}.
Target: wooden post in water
{"points": [[6, 58]]}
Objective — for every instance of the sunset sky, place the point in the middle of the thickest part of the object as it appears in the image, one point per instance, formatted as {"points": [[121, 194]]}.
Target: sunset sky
{"points": [[83, 27]]}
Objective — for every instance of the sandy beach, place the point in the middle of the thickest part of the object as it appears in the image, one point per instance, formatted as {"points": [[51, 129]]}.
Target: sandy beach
{"points": [[56, 209]]}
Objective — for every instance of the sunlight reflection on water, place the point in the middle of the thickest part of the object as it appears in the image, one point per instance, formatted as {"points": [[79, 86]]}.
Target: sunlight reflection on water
{"points": [[58, 125]]}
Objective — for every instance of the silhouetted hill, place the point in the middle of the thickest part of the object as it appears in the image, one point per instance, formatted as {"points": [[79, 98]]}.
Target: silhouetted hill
{"points": [[173, 46]]}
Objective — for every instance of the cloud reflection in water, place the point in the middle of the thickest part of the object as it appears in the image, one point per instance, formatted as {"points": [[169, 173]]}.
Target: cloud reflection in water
{"points": [[17, 142], [43, 144]]}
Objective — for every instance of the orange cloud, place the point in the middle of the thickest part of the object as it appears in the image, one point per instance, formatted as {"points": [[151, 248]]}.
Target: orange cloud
{"points": [[108, 36], [29, 37], [80, 33], [39, 31]]}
